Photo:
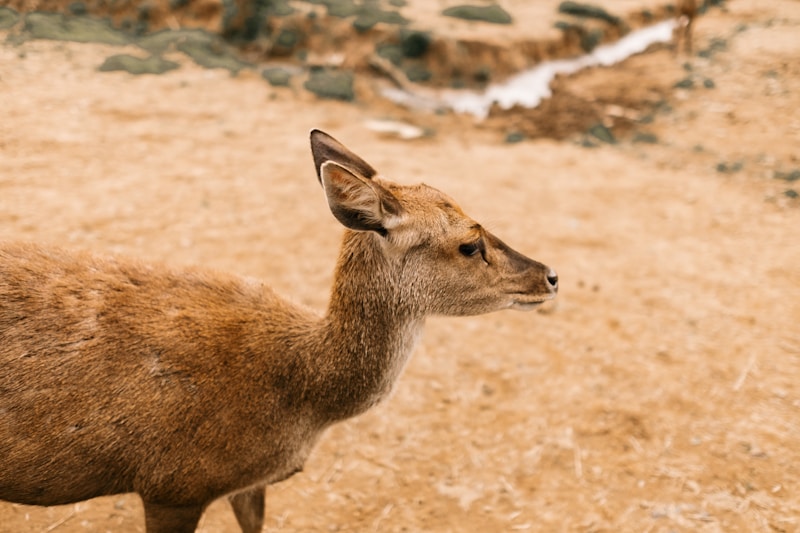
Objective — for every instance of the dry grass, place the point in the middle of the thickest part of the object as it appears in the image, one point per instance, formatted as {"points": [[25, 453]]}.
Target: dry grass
{"points": [[660, 395]]}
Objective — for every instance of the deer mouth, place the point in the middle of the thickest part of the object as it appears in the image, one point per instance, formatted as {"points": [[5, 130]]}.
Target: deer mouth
{"points": [[526, 302]]}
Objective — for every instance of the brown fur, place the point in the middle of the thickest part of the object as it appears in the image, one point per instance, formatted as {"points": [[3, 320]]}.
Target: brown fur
{"points": [[188, 385]]}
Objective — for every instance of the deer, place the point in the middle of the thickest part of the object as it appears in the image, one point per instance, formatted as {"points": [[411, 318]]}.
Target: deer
{"points": [[187, 385], [687, 12]]}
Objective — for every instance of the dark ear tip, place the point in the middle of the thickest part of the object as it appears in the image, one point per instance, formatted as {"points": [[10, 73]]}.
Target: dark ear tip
{"points": [[325, 148], [316, 132]]}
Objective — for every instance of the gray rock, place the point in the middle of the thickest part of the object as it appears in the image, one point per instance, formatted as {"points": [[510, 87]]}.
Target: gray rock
{"points": [[136, 65], [414, 43], [578, 9], [492, 13], [212, 54], [161, 41], [602, 133], [277, 76], [331, 83], [515, 137], [793, 175], [8, 18], [645, 138], [58, 27]]}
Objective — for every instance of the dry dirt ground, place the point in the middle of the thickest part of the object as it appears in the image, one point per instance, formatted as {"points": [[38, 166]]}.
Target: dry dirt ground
{"points": [[661, 394]]}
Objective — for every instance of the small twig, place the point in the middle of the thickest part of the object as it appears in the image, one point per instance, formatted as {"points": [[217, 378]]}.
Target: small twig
{"points": [[377, 462], [635, 444], [790, 347], [382, 516], [332, 473], [59, 523], [578, 461], [745, 371], [397, 76]]}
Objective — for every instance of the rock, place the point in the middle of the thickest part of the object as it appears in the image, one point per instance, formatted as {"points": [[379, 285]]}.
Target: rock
{"points": [[591, 39], [392, 52], [161, 41], [278, 8], [515, 137], [8, 18], [417, 73], [588, 11], [338, 8], [794, 175], [729, 168], [587, 142], [78, 8], [58, 27], [716, 45], [482, 75], [492, 13], [211, 54], [414, 44], [331, 83], [287, 41], [645, 137], [368, 16], [136, 65], [277, 76], [602, 133]]}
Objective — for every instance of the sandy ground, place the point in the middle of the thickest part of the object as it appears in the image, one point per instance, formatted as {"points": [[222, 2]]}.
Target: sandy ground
{"points": [[661, 394]]}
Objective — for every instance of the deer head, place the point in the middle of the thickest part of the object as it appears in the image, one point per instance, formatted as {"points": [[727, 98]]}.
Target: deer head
{"points": [[447, 262]]}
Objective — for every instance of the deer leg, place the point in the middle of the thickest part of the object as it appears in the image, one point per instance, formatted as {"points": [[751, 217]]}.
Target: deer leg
{"points": [[165, 519], [248, 506]]}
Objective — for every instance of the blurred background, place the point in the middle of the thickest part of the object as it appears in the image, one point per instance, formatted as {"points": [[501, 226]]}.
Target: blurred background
{"points": [[659, 394]]}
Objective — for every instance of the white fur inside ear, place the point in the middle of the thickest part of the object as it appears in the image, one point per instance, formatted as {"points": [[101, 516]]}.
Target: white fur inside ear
{"points": [[347, 191], [391, 222]]}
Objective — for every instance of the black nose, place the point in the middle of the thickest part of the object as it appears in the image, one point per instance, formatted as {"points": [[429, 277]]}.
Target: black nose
{"points": [[552, 279]]}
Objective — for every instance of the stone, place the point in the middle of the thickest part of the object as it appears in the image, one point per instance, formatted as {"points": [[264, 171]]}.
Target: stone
{"points": [[602, 133], [211, 54], [58, 27], [137, 65], [277, 76], [331, 83], [492, 13], [414, 43], [8, 18], [578, 9]]}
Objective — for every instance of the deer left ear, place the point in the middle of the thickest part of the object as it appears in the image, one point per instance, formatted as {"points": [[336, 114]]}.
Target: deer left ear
{"points": [[358, 203], [326, 148]]}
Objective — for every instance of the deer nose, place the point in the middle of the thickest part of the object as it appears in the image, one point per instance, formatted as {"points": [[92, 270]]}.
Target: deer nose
{"points": [[552, 279]]}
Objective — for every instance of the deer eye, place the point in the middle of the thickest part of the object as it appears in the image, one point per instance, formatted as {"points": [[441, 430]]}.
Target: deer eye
{"points": [[470, 249]]}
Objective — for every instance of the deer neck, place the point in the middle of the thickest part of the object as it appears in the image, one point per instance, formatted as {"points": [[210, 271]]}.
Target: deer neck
{"points": [[369, 331]]}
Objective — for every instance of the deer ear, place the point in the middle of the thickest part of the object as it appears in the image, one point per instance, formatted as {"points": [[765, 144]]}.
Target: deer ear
{"points": [[326, 148], [358, 203]]}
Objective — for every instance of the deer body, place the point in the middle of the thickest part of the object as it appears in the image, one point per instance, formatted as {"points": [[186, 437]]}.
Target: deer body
{"points": [[188, 385], [88, 342]]}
